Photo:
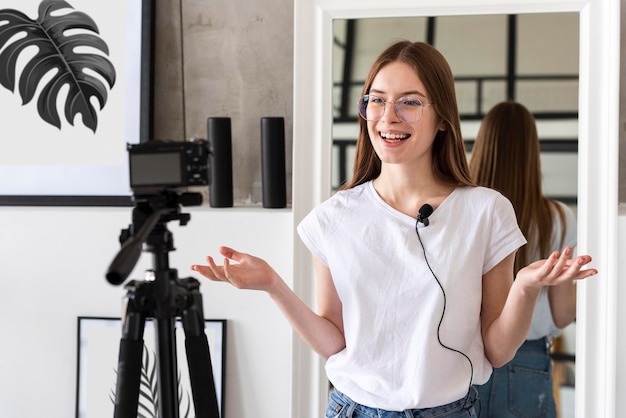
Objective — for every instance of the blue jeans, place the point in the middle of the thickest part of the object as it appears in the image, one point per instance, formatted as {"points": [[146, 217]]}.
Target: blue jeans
{"points": [[522, 388], [341, 406]]}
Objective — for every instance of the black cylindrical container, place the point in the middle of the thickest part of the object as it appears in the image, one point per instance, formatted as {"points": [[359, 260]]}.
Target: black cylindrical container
{"points": [[221, 162], [273, 162]]}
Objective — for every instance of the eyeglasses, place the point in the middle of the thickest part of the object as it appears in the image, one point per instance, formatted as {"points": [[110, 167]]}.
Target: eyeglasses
{"points": [[410, 110]]}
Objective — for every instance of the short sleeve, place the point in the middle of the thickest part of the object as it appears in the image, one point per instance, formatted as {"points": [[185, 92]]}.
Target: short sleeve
{"points": [[505, 236], [311, 233]]}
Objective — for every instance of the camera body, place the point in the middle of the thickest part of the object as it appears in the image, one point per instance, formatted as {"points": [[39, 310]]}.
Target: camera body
{"points": [[166, 164]]}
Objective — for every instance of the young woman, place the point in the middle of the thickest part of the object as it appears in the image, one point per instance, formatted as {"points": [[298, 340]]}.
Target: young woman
{"points": [[506, 157], [413, 307]]}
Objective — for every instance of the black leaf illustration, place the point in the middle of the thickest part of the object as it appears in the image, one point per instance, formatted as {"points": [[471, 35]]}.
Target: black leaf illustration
{"points": [[148, 389], [56, 51], [183, 398]]}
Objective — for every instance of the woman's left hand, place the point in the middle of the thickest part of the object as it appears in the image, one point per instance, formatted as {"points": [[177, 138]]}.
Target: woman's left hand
{"points": [[559, 268]]}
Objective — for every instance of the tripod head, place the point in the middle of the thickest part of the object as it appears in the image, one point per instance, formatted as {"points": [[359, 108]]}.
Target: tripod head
{"points": [[151, 214]]}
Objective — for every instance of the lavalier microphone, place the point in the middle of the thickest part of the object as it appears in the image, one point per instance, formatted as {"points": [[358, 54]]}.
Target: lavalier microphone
{"points": [[425, 211]]}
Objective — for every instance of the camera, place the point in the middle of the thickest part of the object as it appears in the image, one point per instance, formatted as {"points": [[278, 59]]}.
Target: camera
{"points": [[167, 164]]}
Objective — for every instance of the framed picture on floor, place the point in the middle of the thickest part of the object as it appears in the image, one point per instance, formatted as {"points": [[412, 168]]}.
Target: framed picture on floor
{"points": [[98, 355], [75, 89]]}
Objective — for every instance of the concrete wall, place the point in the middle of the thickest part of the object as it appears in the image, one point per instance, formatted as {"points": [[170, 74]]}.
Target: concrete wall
{"points": [[231, 58]]}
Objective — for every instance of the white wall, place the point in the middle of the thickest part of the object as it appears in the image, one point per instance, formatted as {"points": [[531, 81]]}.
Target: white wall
{"points": [[620, 372], [52, 265]]}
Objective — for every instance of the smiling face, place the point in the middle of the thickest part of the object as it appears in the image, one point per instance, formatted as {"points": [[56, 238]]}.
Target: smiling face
{"points": [[434, 142], [396, 141]]}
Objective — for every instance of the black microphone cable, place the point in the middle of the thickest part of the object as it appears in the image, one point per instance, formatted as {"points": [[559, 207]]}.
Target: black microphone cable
{"points": [[424, 213]]}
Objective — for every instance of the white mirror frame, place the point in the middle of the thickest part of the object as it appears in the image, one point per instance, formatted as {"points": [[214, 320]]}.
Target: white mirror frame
{"points": [[596, 327]]}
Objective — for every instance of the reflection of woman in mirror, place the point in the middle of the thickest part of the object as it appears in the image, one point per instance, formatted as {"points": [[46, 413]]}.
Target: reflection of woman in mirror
{"points": [[506, 157], [411, 311]]}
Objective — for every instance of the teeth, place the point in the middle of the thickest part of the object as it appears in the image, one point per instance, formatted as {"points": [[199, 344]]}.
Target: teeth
{"points": [[393, 136]]}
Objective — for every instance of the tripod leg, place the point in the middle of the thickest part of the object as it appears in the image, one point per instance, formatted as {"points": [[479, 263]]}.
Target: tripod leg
{"points": [[167, 368], [129, 366], [199, 357]]}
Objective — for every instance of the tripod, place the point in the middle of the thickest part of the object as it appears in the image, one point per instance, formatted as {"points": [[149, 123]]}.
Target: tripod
{"points": [[164, 297]]}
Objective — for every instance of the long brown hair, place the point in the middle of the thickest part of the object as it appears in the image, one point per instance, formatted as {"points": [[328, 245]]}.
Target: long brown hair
{"points": [[449, 159], [506, 158]]}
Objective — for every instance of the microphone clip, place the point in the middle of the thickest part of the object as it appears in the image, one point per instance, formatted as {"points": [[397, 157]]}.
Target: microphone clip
{"points": [[425, 211]]}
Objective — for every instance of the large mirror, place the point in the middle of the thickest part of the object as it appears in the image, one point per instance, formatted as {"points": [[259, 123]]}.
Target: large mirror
{"points": [[597, 166], [531, 58]]}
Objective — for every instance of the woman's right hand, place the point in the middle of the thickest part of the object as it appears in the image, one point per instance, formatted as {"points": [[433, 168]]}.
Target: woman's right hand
{"points": [[248, 272], [324, 334]]}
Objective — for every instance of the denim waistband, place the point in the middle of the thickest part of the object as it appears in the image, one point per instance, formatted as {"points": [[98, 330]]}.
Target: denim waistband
{"points": [[465, 403], [541, 344]]}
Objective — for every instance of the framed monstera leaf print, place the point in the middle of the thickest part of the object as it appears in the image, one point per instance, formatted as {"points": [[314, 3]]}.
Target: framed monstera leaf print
{"points": [[74, 91]]}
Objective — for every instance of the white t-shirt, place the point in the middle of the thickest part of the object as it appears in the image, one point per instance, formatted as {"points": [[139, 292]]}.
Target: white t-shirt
{"points": [[392, 303], [542, 324]]}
